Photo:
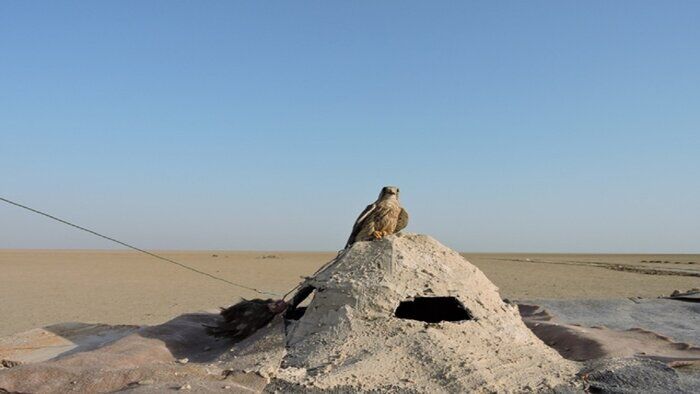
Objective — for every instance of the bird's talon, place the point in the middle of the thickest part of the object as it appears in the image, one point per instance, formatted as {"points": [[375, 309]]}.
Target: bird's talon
{"points": [[378, 234]]}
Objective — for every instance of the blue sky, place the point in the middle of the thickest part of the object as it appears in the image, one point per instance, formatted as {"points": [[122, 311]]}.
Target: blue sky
{"points": [[509, 126]]}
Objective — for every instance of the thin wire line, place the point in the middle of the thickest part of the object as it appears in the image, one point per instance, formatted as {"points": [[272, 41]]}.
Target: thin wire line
{"points": [[137, 249], [318, 271]]}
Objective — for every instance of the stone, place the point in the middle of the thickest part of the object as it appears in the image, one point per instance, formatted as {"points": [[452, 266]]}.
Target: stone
{"points": [[631, 375]]}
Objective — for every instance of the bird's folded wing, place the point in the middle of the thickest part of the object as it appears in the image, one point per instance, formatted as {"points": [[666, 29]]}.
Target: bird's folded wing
{"points": [[402, 222], [358, 223]]}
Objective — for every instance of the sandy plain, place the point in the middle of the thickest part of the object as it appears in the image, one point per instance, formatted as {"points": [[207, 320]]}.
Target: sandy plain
{"points": [[42, 287]]}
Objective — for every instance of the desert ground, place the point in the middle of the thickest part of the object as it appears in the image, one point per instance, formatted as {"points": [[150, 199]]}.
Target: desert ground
{"points": [[42, 287]]}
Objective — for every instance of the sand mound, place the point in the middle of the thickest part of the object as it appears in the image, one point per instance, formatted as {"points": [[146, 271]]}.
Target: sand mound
{"points": [[452, 333]]}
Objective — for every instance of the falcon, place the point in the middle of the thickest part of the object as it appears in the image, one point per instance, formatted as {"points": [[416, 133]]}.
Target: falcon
{"points": [[384, 217]]}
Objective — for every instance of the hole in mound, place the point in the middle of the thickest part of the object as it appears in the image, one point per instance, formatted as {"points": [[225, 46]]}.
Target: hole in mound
{"points": [[295, 313], [433, 310]]}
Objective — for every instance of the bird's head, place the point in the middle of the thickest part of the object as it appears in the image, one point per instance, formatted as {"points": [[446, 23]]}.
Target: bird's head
{"points": [[389, 192]]}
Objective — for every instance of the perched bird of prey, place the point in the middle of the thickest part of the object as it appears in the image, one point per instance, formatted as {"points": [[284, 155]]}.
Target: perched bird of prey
{"points": [[385, 216]]}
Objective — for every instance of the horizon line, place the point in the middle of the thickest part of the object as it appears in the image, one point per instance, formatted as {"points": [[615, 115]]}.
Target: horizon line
{"points": [[196, 250]]}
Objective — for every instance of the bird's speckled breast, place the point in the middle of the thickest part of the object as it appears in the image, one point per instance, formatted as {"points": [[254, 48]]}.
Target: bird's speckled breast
{"points": [[388, 216]]}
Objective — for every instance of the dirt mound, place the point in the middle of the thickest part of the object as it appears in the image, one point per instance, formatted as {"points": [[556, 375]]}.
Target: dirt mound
{"points": [[409, 312]]}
